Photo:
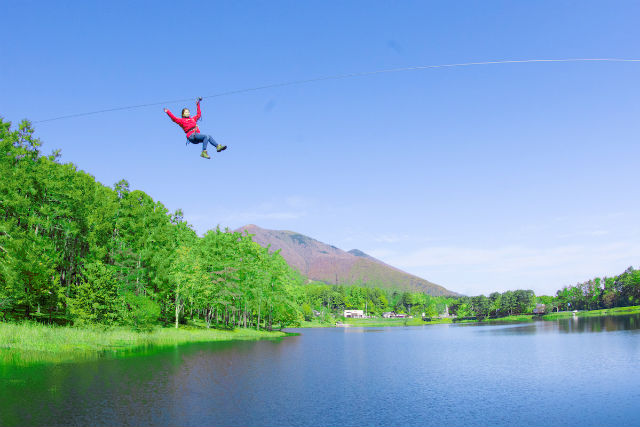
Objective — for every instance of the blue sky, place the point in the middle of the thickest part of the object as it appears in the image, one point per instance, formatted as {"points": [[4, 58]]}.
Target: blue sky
{"points": [[478, 178]]}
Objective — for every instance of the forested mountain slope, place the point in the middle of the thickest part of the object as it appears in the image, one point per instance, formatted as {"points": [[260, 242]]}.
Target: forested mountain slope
{"points": [[326, 263]]}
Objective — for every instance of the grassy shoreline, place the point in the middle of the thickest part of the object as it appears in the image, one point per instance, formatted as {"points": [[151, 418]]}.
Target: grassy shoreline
{"points": [[416, 321], [32, 343], [378, 322], [616, 311], [515, 318], [375, 322], [29, 342]]}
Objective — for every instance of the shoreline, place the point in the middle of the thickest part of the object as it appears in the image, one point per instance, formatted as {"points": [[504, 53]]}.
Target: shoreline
{"points": [[379, 322], [32, 343]]}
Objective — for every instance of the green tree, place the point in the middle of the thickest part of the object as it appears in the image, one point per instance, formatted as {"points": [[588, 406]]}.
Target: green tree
{"points": [[139, 311], [495, 302], [307, 312], [524, 300], [481, 307], [509, 302], [96, 297]]}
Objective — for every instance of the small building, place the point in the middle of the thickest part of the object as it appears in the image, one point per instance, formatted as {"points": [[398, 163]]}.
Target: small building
{"points": [[539, 309], [316, 313], [388, 314], [446, 314], [354, 313]]}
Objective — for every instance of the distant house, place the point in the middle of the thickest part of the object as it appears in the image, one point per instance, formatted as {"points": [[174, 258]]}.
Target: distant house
{"points": [[539, 309], [394, 315], [446, 314], [316, 313], [354, 313]]}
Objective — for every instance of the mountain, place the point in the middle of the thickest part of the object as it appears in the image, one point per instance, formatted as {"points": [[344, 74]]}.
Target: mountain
{"points": [[322, 262]]}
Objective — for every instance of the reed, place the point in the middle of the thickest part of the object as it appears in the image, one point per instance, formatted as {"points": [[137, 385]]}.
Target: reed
{"points": [[32, 342]]}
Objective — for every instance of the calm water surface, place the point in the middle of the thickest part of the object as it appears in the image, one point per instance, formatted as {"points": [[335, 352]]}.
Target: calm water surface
{"points": [[573, 372]]}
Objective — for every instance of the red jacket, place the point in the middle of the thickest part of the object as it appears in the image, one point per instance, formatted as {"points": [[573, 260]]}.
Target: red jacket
{"points": [[188, 124]]}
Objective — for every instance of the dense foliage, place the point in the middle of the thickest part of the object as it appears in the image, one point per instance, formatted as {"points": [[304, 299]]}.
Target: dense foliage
{"points": [[333, 299], [607, 292], [497, 304]]}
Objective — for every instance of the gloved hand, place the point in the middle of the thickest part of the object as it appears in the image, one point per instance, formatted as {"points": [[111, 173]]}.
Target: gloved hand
{"points": [[199, 98]]}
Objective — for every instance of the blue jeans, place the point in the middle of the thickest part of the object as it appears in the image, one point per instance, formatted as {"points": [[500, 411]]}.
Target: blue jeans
{"points": [[198, 138]]}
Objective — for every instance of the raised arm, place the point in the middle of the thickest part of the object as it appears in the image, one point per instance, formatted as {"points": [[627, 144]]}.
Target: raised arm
{"points": [[197, 116], [170, 114]]}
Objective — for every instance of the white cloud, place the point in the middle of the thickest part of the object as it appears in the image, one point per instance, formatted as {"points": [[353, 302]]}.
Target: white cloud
{"points": [[391, 238], [292, 207], [482, 270], [511, 258], [298, 202], [289, 208], [257, 216]]}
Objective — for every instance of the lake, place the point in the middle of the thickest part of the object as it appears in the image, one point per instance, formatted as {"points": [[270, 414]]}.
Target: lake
{"points": [[570, 372]]}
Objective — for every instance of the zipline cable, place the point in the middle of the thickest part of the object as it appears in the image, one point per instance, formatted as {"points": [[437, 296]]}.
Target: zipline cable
{"points": [[337, 77]]}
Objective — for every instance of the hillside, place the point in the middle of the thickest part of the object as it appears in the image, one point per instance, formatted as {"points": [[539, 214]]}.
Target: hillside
{"points": [[326, 263]]}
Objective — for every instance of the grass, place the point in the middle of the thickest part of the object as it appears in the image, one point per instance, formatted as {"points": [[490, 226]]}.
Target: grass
{"points": [[379, 322], [315, 323], [416, 321], [557, 315], [30, 342], [375, 322], [616, 311], [517, 318]]}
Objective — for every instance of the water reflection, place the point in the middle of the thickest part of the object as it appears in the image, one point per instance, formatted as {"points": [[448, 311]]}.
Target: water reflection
{"points": [[582, 324], [488, 374], [575, 324]]}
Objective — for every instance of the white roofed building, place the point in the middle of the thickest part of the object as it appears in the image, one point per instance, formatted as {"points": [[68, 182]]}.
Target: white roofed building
{"points": [[354, 313]]}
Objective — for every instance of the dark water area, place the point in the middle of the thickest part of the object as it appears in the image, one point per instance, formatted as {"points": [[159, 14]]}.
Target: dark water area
{"points": [[570, 372]]}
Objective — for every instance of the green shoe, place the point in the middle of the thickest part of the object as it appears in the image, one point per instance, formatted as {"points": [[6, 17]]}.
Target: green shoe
{"points": [[220, 148], [205, 154]]}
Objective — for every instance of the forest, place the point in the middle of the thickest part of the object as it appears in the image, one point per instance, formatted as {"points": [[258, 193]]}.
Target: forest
{"points": [[74, 251], [606, 292]]}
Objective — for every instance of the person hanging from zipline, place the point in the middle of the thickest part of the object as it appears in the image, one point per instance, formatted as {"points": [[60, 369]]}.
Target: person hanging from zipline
{"points": [[190, 127]]}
